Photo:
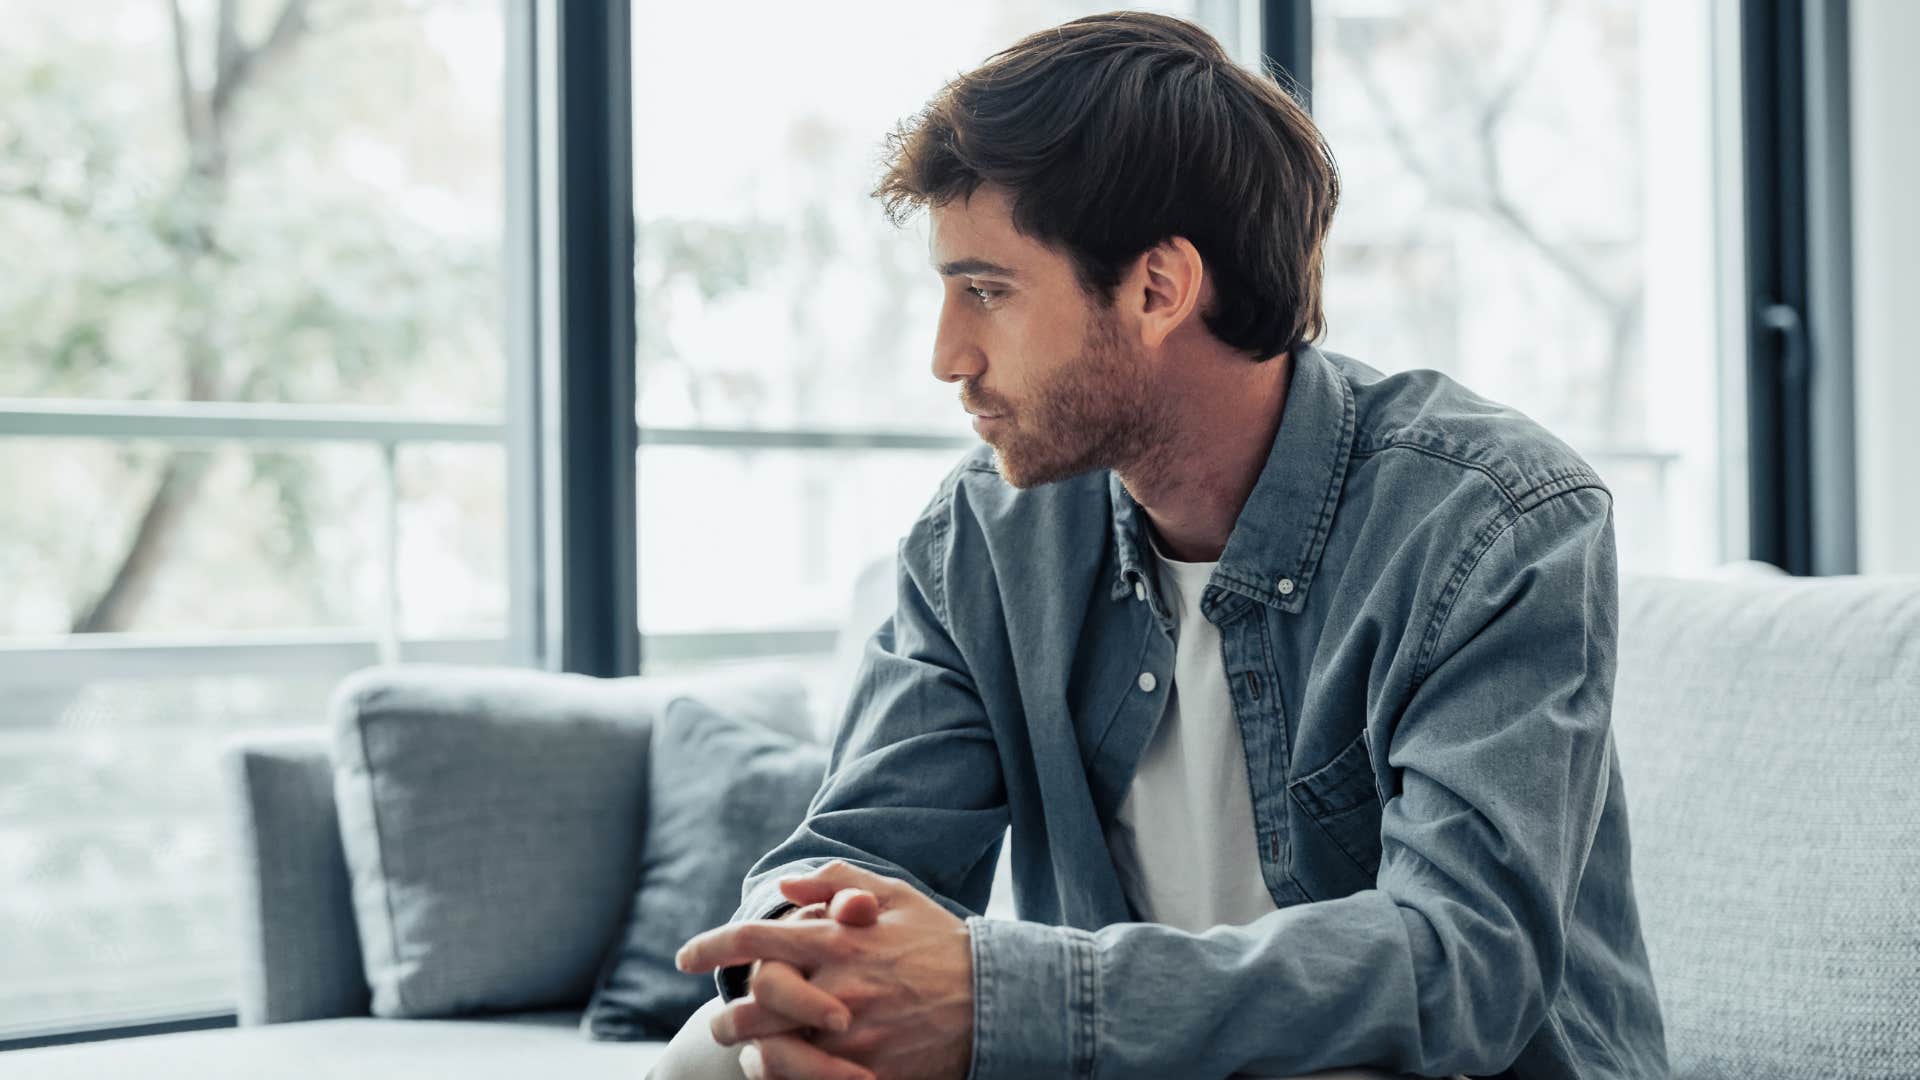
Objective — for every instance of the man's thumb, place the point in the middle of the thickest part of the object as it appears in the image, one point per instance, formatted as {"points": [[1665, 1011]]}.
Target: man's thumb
{"points": [[852, 907], [855, 907], [825, 883]]}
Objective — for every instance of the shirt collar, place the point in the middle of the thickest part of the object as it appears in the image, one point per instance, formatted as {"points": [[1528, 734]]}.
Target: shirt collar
{"points": [[1276, 542]]}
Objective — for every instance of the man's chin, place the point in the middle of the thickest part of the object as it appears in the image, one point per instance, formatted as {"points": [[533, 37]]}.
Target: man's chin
{"points": [[1022, 472], [1008, 470]]}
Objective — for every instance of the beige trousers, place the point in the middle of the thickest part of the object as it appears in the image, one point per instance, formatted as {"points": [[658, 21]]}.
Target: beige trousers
{"points": [[693, 1055]]}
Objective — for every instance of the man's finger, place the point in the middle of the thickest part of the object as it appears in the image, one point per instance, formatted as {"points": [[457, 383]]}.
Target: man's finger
{"points": [[783, 989], [806, 891], [799, 942], [785, 1001], [793, 1058], [854, 907], [746, 1019], [849, 907]]}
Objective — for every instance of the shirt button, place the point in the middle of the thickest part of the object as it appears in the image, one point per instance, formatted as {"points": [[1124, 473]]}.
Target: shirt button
{"points": [[1148, 682], [1139, 590], [1284, 586]]}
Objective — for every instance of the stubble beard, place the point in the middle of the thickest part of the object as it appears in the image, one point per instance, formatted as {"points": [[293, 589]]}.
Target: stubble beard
{"points": [[1097, 413]]}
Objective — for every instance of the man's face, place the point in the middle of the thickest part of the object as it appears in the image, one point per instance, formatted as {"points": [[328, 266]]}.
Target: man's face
{"points": [[1062, 387]]}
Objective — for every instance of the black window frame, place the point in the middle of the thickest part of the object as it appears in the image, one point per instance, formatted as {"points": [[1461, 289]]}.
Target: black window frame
{"points": [[1798, 300]]}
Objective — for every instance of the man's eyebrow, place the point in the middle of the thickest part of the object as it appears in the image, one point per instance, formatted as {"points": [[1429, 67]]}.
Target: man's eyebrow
{"points": [[974, 266]]}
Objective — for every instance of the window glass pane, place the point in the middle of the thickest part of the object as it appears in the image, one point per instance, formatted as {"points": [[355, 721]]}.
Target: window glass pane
{"points": [[116, 875], [323, 227], [1527, 206], [256, 536], [297, 212], [259, 537], [772, 291], [451, 558], [781, 550]]}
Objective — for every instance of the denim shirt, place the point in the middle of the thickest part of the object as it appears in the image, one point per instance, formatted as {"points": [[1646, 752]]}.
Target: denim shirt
{"points": [[1418, 610]]}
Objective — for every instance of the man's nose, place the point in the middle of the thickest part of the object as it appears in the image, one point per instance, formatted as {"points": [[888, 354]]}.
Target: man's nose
{"points": [[955, 355]]}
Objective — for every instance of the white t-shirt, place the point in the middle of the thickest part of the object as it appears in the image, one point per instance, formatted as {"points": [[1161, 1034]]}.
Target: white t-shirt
{"points": [[1184, 840]]}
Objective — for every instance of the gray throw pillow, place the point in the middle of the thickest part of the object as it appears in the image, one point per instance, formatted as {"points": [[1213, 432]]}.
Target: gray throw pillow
{"points": [[490, 820], [723, 791]]}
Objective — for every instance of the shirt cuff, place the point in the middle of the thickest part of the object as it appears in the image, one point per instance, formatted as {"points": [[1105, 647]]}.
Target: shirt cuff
{"points": [[1035, 995], [732, 981]]}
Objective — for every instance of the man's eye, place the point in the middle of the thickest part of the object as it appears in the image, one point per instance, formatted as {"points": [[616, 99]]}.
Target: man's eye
{"points": [[984, 294]]}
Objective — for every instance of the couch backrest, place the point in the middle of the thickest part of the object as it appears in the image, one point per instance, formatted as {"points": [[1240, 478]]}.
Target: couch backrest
{"points": [[1769, 732]]}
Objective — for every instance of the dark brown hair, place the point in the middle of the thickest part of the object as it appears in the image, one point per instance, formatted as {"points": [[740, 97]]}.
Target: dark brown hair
{"points": [[1116, 132]]}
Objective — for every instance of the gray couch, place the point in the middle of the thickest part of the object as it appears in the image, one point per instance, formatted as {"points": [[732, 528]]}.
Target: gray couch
{"points": [[1769, 730]]}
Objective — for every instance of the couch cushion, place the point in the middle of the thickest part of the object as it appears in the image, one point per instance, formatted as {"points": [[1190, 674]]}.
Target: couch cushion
{"points": [[1768, 732], [724, 791], [509, 1047], [490, 821]]}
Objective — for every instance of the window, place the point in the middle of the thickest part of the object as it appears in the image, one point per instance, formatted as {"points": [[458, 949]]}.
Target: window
{"points": [[250, 435], [1528, 206]]}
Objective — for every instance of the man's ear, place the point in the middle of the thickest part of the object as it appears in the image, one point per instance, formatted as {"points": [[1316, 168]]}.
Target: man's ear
{"points": [[1172, 279]]}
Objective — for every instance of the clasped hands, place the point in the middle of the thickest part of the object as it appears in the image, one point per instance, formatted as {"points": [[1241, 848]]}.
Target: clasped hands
{"points": [[868, 980]]}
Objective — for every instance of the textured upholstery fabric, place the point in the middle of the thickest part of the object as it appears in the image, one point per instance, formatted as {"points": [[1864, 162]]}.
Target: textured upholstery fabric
{"points": [[509, 1047], [300, 952], [723, 792], [1769, 732], [491, 822]]}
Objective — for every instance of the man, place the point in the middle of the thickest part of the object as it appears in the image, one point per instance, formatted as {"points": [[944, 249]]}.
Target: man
{"points": [[1291, 679]]}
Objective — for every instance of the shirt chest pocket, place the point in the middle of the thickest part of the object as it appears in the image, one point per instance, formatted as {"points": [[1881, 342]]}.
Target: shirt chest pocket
{"points": [[1343, 823]]}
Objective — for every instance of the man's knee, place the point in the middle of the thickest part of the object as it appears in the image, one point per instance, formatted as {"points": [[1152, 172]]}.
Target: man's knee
{"points": [[693, 1055]]}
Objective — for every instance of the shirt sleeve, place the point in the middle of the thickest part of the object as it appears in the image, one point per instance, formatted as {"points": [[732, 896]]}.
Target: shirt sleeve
{"points": [[1500, 755], [914, 788]]}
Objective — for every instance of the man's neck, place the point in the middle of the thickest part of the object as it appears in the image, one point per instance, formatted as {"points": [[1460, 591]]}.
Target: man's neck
{"points": [[1224, 415]]}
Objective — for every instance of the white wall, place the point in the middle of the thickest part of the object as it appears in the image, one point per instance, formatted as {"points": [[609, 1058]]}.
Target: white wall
{"points": [[1886, 280]]}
